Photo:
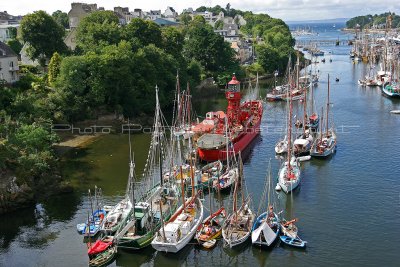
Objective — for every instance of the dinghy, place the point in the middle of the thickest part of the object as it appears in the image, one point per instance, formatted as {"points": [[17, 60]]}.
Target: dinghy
{"points": [[294, 242]]}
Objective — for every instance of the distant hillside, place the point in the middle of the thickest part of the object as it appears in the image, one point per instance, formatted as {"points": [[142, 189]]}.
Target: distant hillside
{"points": [[373, 21], [337, 20]]}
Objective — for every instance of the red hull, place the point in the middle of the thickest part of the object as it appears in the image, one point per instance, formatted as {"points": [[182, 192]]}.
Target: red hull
{"points": [[240, 144]]}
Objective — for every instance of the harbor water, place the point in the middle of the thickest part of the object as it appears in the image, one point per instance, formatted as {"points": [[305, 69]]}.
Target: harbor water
{"points": [[348, 206]]}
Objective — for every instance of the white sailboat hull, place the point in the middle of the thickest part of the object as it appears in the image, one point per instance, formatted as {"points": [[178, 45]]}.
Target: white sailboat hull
{"points": [[174, 247], [288, 185]]}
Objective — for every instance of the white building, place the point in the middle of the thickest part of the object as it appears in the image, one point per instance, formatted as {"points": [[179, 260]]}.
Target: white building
{"points": [[154, 14], [5, 31], [170, 13], [8, 64]]}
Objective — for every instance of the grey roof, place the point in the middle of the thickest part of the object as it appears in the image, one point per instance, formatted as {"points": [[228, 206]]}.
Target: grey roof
{"points": [[165, 22], [6, 51]]}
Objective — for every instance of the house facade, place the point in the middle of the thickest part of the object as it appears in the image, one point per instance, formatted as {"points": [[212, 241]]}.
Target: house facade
{"points": [[170, 14], [8, 64], [154, 14], [75, 15], [5, 31]]}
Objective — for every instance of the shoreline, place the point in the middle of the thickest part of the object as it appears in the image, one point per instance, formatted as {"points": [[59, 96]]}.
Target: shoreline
{"points": [[74, 141]]}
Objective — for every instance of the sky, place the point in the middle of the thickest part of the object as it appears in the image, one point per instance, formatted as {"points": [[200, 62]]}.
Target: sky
{"points": [[288, 10]]}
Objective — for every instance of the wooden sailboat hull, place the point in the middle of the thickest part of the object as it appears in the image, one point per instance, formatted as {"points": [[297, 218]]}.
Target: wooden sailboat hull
{"points": [[104, 258], [326, 152], [202, 236], [236, 235]]}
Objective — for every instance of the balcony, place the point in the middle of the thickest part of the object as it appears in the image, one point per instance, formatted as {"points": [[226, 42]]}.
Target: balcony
{"points": [[16, 68]]}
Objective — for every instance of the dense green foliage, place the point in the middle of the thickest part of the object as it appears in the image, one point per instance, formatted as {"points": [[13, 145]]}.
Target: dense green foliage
{"points": [[368, 21], [26, 148], [98, 30], [44, 35], [228, 11], [208, 48], [276, 40], [15, 45], [54, 68], [61, 18]]}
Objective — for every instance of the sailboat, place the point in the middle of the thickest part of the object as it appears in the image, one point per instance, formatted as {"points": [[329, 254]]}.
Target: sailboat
{"points": [[93, 224], [302, 144], [313, 120], [266, 227], [228, 178], [282, 145], [159, 197], [325, 144], [211, 227], [177, 232], [116, 217], [289, 234], [237, 227], [289, 173], [102, 252]]}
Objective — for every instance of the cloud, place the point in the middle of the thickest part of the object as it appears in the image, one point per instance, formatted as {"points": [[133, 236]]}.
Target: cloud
{"points": [[284, 9]]}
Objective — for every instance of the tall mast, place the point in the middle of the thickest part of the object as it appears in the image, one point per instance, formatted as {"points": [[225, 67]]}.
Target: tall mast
{"points": [[191, 166], [241, 176], [162, 220], [227, 143], [91, 205], [131, 172], [289, 122], [158, 132], [297, 71], [322, 117], [209, 192], [312, 93], [183, 188], [327, 109], [305, 109]]}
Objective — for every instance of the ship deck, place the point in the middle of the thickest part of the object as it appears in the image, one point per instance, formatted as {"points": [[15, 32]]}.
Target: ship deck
{"points": [[211, 141]]}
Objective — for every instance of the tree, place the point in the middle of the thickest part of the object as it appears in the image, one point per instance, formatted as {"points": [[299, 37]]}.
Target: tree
{"points": [[61, 18], [173, 41], [201, 9], [44, 35], [15, 45], [97, 30], [268, 57], [186, 19], [54, 68], [140, 32], [12, 32], [30, 146], [228, 9], [219, 25], [208, 48]]}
